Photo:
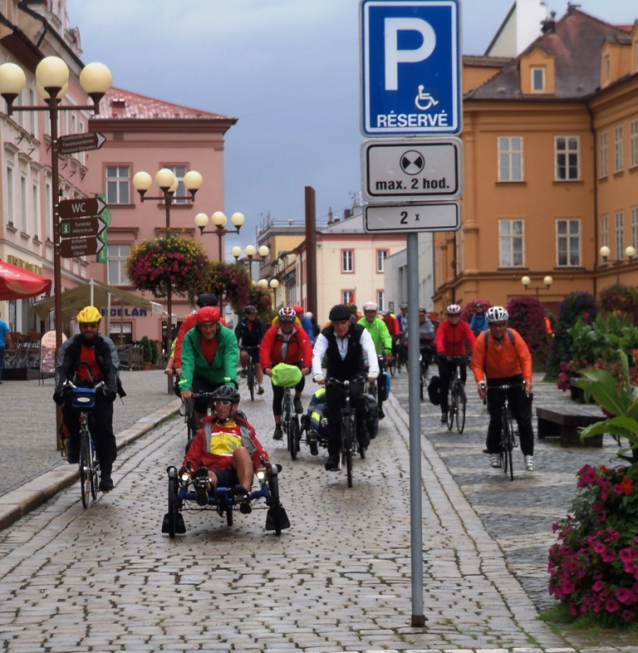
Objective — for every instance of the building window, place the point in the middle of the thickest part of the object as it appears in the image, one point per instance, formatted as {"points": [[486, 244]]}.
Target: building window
{"points": [[634, 227], [607, 68], [118, 185], [602, 155], [10, 196], [538, 79], [48, 210], [117, 258], [633, 143], [381, 299], [618, 150], [382, 255], [24, 206], [511, 242], [604, 231], [347, 260], [567, 158], [510, 158], [620, 235], [347, 296], [35, 196], [180, 196], [567, 243]]}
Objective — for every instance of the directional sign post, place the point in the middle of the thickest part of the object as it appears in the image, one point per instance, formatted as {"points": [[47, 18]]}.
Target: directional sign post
{"points": [[81, 207], [72, 247], [410, 67], [80, 143], [412, 170]]}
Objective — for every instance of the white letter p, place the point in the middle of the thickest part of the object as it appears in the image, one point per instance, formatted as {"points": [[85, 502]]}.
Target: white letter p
{"points": [[394, 56]]}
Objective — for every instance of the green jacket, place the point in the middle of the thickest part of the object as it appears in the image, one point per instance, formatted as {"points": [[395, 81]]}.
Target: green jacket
{"points": [[194, 364], [379, 333]]}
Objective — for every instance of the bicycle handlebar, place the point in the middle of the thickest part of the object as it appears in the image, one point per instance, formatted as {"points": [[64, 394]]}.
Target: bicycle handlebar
{"points": [[344, 385]]}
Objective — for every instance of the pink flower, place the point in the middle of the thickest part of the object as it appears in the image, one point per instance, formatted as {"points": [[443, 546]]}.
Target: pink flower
{"points": [[598, 586], [567, 587], [628, 615], [608, 555], [624, 595], [611, 605]]}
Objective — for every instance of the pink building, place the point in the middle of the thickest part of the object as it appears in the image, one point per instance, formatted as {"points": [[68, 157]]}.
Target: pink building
{"points": [[143, 133]]}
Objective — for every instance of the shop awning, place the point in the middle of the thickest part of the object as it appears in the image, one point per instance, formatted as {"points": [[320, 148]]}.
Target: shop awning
{"points": [[96, 294], [17, 283]]}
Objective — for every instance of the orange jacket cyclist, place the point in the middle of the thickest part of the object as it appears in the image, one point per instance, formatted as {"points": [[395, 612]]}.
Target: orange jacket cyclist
{"points": [[502, 357]]}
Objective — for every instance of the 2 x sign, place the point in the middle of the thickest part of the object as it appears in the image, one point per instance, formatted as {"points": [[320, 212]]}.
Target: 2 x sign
{"points": [[410, 71]]}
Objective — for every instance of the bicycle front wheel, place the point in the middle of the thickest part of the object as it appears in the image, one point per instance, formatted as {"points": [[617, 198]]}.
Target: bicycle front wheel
{"points": [[250, 378], [349, 446], [84, 466], [507, 443], [460, 411], [293, 437], [451, 408]]}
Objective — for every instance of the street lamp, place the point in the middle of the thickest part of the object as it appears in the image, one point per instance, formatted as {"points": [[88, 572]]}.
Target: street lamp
{"points": [[250, 252], [604, 251], [548, 281], [52, 79], [219, 221], [168, 183]]}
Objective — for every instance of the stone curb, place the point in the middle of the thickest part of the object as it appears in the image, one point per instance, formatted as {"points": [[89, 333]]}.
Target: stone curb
{"points": [[31, 495]]}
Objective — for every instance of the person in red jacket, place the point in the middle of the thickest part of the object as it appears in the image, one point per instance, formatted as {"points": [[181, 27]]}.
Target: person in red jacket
{"points": [[452, 338], [225, 450], [285, 343]]}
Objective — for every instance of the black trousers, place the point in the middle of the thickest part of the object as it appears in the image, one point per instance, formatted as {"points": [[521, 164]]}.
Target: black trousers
{"points": [[447, 368], [334, 398], [103, 436], [521, 408]]}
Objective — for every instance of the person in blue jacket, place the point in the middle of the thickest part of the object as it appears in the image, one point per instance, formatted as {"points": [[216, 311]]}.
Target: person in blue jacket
{"points": [[478, 322], [308, 326]]}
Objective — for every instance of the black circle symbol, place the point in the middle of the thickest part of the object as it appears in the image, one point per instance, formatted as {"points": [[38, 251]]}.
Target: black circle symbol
{"points": [[412, 162]]}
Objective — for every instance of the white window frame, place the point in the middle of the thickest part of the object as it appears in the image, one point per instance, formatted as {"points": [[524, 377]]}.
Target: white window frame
{"points": [[24, 204], [381, 299], [620, 235], [35, 194], [511, 244], [508, 155], [618, 149], [347, 261], [603, 154], [633, 144], [116, 183], [570, 237], [382, 255], [567, 158], [634, 227], [117, 255], [348, 296], [604, 231], [533, 73], [181, 195]]}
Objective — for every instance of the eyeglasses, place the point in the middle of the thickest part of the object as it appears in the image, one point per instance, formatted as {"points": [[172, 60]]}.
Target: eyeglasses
{"points": [[222, 402]]}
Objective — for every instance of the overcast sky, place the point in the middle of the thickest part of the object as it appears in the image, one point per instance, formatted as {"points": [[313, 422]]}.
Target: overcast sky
{"points": [[287, 69]]}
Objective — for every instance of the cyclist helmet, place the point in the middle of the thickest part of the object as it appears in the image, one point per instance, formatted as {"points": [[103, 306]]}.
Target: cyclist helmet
{"points": [[207, 299], [370, 306], [339, 313], [226, 392], [353, 308], [287, 314], [208, 315], [496, 314], [403, 305], [422, 310], [250, 309], [453, 309], [89, 315]]}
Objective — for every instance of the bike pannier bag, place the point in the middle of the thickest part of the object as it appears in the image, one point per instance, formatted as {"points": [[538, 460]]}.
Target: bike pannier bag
{"points": [[372, 415], [384, 385], [434, 390]]}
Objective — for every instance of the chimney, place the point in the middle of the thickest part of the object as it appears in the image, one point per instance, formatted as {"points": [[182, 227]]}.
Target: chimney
{"points": [[347, 213], [549, 24], [330, 216]]}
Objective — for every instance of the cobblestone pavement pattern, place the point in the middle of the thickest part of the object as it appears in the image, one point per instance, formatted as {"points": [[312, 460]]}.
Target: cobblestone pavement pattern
{"points": [[105, 579]]}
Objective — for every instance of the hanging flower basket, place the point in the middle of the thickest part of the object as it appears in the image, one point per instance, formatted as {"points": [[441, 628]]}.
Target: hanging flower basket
{"points": [[153, 265]]}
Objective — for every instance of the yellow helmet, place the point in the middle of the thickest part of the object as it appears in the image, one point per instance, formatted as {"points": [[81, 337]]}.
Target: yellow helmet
{"points": [[89, 314]]}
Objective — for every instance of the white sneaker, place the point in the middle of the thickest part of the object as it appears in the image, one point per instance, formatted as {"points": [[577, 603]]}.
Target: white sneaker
{"points": [[494, 460], [529, 464]]}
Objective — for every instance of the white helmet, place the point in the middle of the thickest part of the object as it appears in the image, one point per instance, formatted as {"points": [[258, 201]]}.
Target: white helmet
{"points": [[496, 314], [453, 309], [370, 306]]}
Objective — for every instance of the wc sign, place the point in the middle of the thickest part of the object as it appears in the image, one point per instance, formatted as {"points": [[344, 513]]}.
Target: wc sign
{"points": [[410, 67]]}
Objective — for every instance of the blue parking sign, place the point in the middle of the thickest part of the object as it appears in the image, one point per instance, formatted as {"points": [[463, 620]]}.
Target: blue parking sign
{"points": [[410, 67]]}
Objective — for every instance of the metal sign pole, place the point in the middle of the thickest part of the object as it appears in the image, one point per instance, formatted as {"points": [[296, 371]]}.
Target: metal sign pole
{"points": [[416, 504]]}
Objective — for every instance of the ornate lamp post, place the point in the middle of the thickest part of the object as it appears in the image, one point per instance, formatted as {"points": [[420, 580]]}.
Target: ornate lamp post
{"points": [[52, 82], [604, 251], [219, 221], [250, 252], [168, 184], [548, 281]]}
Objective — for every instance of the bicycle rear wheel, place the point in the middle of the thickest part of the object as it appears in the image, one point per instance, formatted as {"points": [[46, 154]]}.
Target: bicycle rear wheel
{"points": [[250, 378], [275, 504], [172, 506], [348, 445]]}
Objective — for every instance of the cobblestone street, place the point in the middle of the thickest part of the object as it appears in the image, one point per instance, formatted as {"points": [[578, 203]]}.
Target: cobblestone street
{"points": [[106, 579]]}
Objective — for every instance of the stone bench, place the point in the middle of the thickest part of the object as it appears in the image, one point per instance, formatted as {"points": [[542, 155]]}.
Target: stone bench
{"points": [[563, 422]]}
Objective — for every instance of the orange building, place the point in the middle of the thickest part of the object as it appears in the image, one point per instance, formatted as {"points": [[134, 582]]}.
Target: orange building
{"points": [[551, 168]]}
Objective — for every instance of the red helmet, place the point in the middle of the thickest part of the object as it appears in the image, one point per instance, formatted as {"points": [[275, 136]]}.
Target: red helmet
{"points": [[207, 315], [298, 310]]}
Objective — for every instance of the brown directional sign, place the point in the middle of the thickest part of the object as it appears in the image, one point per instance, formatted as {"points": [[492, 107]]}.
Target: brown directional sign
{"points": [[80, 143], [72, 247], [81, 207], [77, 227]]}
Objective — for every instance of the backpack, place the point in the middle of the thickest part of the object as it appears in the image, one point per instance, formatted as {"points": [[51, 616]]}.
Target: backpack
{"points": [[434, 390], [486, 338]]}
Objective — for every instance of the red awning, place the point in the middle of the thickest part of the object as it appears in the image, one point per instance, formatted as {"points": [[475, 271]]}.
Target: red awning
{"points": [[16, 283]]}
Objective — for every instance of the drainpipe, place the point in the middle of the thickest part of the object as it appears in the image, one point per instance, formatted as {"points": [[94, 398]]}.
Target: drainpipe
{"points": [[593, 132]]}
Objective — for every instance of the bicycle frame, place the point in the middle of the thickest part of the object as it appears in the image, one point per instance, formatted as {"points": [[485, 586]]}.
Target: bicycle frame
{"points": [[508, 432]]}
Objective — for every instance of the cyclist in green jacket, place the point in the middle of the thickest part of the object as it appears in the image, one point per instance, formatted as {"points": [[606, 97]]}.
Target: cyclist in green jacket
{"points": [[382, 339], [210, 355]]}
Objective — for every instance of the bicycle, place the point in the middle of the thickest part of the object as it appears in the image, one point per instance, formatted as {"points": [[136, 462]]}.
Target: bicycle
{"points": [[83, 400], [425, 358], [290, 423], [508, 432], [348, 424], [457, 401], [250, 372]]}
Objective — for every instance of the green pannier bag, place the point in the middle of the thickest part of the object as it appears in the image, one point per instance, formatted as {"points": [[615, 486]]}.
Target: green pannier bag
{"points": [[287, 376]]}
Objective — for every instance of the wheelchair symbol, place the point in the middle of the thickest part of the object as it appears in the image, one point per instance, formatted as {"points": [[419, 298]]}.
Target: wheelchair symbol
{"points": [[424, 100]]}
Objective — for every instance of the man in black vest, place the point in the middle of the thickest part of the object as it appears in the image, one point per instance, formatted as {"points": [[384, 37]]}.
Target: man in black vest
{"points": [[346, 347]]}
